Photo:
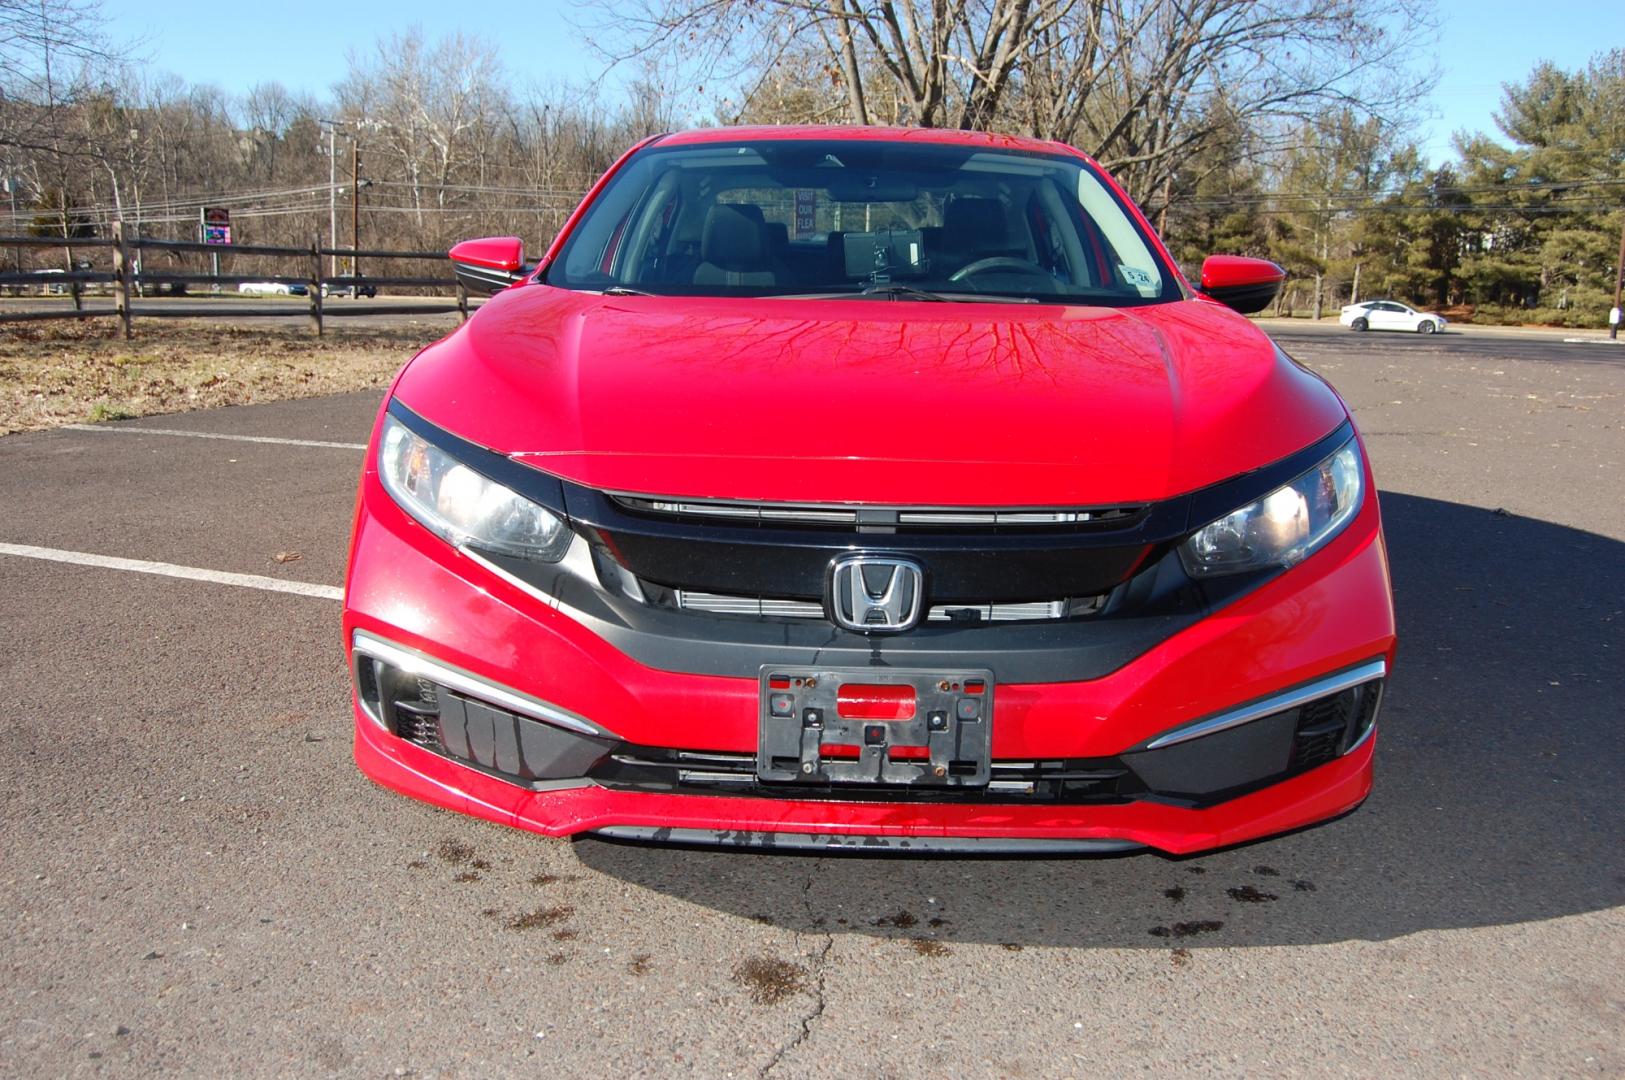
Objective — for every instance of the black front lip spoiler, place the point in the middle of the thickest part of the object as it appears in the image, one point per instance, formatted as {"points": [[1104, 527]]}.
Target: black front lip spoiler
{"points": [[824, 843]]}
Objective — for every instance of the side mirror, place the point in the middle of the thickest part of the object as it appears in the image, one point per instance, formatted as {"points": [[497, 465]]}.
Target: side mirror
{"points": [[489, 264], [1246, 285]]}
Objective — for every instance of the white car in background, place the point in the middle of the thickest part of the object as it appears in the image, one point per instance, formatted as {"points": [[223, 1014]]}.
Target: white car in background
{"points": [[1390, 315]]}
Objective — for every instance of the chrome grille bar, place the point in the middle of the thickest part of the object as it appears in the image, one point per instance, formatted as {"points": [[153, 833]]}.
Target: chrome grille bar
{"points": [[992, 517], [745, 512], [1036, 609], [718, 604], [824, 514]]}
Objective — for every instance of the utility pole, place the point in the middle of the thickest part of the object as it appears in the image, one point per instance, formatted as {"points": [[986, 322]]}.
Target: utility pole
{"points": [[332, 127], [1619, 279], [14, 229], [355, 214]]}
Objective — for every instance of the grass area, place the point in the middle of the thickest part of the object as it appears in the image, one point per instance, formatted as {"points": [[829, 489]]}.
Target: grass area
{"points": [[65, 373]]}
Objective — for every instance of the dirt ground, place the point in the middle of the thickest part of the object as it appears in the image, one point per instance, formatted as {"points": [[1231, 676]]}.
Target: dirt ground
{"points": [[57, 373]]}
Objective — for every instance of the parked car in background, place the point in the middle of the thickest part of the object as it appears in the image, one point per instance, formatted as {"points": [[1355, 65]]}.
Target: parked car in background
{"points": [[52, 282], [273, 288], [1390, 315], [864, 488], [349, 285]]}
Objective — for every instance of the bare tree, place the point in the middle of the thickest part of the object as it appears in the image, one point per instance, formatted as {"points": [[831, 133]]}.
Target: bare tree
{"points": [[1130, 81], [51, 53]]}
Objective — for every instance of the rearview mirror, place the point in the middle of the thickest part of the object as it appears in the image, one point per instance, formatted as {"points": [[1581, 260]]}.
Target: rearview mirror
{"points": [[1246, 285], [871, 189], [489, 264]]}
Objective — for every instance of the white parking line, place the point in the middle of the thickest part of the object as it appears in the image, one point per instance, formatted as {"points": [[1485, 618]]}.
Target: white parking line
{"points": [[191, 573], [128, 430]]}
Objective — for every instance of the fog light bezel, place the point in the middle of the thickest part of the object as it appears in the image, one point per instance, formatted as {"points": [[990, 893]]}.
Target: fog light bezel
{"points": [[416, 662]]}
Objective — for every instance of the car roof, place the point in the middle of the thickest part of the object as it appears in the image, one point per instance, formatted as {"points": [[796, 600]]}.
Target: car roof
{"points": [[852, 133]]}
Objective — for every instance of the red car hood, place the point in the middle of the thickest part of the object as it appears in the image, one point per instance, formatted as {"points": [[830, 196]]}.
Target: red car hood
{"points": [[871, 400]]}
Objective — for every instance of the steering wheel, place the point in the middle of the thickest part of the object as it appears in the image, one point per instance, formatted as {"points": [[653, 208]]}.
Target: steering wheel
{"points": [[998, 262]]}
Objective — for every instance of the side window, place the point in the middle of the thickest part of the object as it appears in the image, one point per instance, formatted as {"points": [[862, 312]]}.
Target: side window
{"points": [[594, 248], [1136, 267]]}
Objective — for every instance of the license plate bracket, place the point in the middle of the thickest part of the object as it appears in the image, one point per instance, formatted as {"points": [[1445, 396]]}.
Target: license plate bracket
{"points": [[847, 726]]}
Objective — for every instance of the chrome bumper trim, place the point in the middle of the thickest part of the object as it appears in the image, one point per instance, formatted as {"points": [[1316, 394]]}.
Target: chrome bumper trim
{"points": [[1280, 702]]}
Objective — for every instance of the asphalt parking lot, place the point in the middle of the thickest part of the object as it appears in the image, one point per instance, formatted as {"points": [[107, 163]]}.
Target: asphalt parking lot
{"points": [[198, 881]]}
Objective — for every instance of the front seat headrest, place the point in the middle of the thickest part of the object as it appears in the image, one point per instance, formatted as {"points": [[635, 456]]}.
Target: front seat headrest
{"points": [[734, 238], [975, 224]]}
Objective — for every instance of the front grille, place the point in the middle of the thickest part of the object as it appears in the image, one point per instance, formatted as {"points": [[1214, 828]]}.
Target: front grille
{"points": [[784, 608], [722, 556], [1104, 780]]}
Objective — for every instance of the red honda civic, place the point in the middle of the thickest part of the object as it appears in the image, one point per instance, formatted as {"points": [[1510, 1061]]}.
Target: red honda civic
{"points": [[832, 488]]}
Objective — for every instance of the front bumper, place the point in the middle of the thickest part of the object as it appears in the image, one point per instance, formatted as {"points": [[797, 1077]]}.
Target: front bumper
{"points": [[1333, 613]]}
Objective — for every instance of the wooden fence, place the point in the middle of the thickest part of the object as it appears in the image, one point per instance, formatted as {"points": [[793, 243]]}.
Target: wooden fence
{"points": [[126, 284]]}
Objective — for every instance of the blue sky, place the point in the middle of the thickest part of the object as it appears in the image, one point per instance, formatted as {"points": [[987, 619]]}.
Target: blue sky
{"points": [[1483, 43]]}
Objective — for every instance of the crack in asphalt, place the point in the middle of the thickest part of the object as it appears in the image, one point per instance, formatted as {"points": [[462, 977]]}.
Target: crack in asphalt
{"points": [[817, 965]]}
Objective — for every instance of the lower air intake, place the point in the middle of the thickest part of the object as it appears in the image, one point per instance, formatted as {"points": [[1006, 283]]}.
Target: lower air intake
{"points": [[471, 731], [1321, 728]]}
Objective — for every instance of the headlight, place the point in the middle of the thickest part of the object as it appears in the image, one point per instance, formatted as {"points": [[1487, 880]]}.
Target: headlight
{"points": [[1284, 526], [462, 506]]}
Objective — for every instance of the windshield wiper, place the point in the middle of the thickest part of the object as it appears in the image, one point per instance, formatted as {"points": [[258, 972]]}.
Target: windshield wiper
{"points": [[624, 290], [900, 292]]}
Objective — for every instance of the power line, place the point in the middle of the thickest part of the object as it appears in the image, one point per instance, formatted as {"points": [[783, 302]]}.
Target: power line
{"points": [[192, 202], [1479, 189], [1399, 208], [484, 189]]}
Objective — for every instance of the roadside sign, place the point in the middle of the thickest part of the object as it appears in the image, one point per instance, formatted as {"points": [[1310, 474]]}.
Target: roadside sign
{"points": [[216, 224], [806, 211]]}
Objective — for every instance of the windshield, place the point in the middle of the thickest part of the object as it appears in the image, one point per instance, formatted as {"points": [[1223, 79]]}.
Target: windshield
{"points": [[845, 217]]}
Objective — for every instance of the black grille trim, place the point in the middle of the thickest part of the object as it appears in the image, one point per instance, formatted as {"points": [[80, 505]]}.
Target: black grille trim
{"points": [[1054, 781], [898, 519]]}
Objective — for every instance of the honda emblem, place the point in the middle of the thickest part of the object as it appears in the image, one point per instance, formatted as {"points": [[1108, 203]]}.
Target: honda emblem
{"points": [[875, 594]]}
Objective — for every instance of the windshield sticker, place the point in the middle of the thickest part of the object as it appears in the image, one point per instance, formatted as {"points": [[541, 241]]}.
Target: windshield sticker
{"points": [[1138, 278]]}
